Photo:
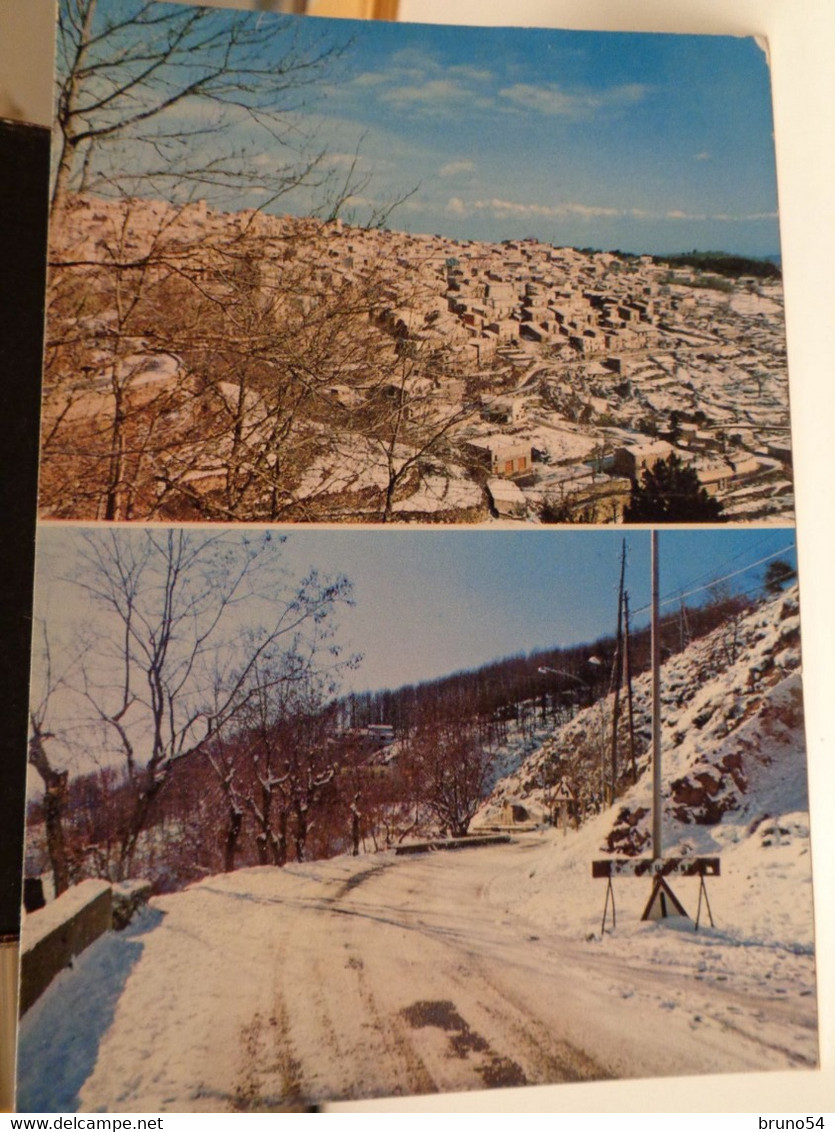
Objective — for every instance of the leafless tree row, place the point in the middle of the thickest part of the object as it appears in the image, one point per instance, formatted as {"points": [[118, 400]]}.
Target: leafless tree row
{"points": [[231, 379], [187, 637], [205, 370]]}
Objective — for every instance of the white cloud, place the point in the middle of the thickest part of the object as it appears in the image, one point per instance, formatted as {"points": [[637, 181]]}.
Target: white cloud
{"points": [[553, 101], [415, 78], [370, 78], [503, 209], [414, 58], [474, 74], [431, 91], [721, 217], [544, 100], [453, 168]]}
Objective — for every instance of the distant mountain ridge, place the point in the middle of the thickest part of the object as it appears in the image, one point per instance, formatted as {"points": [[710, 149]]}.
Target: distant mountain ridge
{"points": [[725, 263]]}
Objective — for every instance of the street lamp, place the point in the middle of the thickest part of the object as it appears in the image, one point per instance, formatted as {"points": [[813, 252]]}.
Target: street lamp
{"points": [[561, 672], [546, 671]]}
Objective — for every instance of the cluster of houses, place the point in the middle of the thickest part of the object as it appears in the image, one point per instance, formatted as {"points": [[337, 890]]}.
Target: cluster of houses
{"points": [[589, 364]]}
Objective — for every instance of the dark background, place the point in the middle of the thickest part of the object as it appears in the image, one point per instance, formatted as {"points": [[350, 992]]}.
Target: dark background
{"points": [[24, 188]]}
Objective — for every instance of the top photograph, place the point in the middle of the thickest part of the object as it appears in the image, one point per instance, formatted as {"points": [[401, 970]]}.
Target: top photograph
{"points": [[323, 271]]}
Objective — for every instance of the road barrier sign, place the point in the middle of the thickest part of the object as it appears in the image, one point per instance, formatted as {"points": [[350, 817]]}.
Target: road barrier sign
{"points": [[664, 866], [662, 901]]}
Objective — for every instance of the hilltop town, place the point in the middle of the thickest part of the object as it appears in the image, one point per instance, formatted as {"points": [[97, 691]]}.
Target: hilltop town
{"points": [[394, 376]]}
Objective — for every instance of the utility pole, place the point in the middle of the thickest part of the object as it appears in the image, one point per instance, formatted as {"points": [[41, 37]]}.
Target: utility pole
{"points": [[627, 676], [662, 901], [656, 704], [618, 663], [683, 626]]}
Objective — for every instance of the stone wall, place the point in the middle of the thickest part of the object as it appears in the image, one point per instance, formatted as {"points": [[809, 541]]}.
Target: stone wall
{"points": [[55, 934]]}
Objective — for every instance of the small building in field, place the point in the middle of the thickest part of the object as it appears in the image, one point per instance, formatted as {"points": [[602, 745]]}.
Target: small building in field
{"points": [[502, 455], [633, 459], [507, 501]]}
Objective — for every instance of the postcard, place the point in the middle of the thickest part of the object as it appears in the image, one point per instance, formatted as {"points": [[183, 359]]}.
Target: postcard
{"points": [[380, 813], [416, 696], [308, 270]]}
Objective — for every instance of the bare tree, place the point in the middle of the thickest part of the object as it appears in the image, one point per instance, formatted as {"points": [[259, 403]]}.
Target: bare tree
{"points": [[112, 403], [222, 755], [452, 767], [280, 357], [55, 779], [130, 75], [413, 427], [731, 608], [54, 804], [186, 630], [281, 768]]}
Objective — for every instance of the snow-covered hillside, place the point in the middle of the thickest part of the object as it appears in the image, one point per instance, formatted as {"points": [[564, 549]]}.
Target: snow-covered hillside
{"points": [[731, 736], [734, 785]]}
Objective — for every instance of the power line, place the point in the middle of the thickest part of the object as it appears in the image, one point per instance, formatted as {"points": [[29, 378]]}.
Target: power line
{"points": [[680, 596], [748, 549]]}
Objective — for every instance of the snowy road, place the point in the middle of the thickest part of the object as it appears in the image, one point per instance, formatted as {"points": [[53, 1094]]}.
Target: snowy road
{"points": [[269, 989], [273, 989]]}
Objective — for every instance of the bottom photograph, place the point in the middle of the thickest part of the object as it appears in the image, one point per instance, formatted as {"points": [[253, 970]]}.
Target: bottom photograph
{"points": [[333, 815]]}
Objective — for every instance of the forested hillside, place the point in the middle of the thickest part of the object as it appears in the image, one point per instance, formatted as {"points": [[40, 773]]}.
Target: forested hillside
{"points": [[294, 778]]}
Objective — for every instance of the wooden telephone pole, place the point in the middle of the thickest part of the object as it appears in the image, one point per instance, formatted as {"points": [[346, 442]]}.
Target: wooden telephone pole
{"points": [[617, 669], [627, 676]]}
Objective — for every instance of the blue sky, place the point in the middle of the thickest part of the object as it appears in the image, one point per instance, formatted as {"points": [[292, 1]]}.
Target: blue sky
{"points": [[646, 143], [642, 142], [434, 602], [431, 602]]}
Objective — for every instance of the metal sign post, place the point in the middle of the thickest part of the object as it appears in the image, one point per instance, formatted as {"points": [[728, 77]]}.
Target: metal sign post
{"points": [[662, 901]]}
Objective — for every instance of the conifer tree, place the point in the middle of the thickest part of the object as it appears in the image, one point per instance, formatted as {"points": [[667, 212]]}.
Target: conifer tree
{"points": [[670, 492]]}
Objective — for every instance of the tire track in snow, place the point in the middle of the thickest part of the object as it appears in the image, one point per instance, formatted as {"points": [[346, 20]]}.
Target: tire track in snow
{"points": [[417, 1078], [515, 1032], [268, 1078], [341, 1042], [464, 1024], [553, 1059]]}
